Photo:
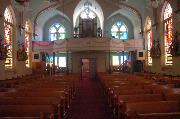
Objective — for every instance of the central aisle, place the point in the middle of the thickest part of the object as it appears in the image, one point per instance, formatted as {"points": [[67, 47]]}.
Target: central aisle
{"points": [[89, 102]]}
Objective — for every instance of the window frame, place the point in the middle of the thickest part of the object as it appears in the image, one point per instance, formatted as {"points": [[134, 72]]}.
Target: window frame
{"points": [[119, 27], [57, 31]]}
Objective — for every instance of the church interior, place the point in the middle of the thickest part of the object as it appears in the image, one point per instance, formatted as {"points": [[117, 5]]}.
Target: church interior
{"points": [[89, 59]]}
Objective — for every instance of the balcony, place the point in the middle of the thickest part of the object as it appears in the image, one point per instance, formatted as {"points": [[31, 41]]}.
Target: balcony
{"points": [[88, 44]]}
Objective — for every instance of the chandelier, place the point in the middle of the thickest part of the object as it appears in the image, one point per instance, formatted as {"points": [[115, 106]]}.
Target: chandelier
{"points": [[156, 3]]}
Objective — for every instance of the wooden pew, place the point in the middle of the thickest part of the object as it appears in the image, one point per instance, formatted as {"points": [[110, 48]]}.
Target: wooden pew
{"points": [[41, 111], [120, 84], [32, 91], [124, 99], [152, 110], [57, 103], [139, 98], [175, 97], [29, 100]]}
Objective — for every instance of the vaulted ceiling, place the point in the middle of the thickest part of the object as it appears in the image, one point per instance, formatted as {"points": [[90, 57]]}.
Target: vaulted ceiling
{"points": [[37, 6]]}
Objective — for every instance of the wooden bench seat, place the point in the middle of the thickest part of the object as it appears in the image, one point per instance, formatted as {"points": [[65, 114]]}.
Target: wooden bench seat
{"points": [[146, 92], [41, 111], [159, 109], [29, 100], [59, 104], [131, 91], [169, 97], [56, 94], [30, 117], [36, 94], [139, 98], [123, 99]]}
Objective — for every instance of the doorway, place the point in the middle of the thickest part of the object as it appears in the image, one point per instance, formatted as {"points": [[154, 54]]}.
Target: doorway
{"points": [[85, 69], [88, 68]]}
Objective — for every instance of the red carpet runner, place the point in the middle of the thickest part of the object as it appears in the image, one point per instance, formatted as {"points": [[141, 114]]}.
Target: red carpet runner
{"points": [[89, 102]]}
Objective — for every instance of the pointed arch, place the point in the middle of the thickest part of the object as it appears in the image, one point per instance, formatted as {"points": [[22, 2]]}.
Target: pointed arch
{"points": [[9, 21], [96, 8], [43, 23]]}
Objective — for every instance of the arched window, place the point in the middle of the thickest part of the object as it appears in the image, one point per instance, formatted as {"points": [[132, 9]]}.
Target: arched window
{"points": [[57, 32], [168, 33], [8, 30], [148, 31], [87, 13], [119, 30], [27, 42]]}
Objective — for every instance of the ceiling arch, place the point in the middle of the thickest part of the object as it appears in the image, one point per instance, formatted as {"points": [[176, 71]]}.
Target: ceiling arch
{"points": [[133, 18], [128, 13], [44, 17]]}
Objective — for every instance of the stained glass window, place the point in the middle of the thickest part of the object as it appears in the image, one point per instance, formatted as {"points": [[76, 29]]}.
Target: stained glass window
{"points": [[119, 30], [87, 14], [57, 32], [149, 40], [27, 43], [8, 28], [167, 11], [168, 33]]}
